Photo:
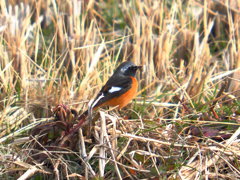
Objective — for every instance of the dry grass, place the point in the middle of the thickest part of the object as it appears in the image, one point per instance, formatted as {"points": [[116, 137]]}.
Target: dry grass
{"points": [[184, 124]]}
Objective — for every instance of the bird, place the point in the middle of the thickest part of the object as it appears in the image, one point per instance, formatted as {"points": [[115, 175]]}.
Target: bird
{"points": [[118, 91]]}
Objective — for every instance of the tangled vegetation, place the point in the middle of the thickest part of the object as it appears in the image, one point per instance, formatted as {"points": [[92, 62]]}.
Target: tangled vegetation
{"points": [[55, 56]]}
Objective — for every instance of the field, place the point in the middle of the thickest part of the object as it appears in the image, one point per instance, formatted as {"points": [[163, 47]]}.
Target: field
{"points": [[55, 56]]}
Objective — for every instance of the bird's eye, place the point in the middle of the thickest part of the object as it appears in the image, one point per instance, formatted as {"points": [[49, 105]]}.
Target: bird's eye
{"points": [[133, 68]]}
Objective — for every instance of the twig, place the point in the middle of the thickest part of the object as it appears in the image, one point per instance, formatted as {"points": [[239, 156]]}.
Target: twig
{"points": [[110, 147], [212, 148], [102, 161], [83, 153], [29, 173]]}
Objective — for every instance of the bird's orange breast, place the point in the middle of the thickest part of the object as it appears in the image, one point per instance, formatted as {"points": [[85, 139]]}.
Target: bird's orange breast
{"points": [[122, 100]]}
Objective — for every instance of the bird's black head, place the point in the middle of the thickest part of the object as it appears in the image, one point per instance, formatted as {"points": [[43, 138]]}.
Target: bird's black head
{"points": [[127, 68]]}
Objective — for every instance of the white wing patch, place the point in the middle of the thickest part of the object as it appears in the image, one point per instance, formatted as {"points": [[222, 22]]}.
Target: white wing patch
{"points": [[114, 89]]}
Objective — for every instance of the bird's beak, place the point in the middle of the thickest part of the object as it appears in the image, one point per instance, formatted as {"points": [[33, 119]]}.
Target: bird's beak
{"points": [[139, 67]]}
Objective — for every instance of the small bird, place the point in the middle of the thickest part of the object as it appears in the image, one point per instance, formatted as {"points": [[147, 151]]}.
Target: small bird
{"points": [[119, 90]]}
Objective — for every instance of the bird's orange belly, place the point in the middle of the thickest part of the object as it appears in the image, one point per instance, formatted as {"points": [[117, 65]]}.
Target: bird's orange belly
{"points": [[125, 98]]}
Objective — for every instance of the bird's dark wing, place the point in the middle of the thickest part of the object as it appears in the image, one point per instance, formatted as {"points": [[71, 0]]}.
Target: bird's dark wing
{"points": [[113, 88]]}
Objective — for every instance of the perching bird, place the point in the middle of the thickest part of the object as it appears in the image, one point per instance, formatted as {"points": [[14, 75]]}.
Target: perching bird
{"points": [[119, 90]]}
